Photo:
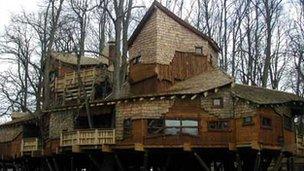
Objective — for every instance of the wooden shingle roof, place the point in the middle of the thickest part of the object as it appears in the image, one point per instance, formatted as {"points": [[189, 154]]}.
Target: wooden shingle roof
{"points": [[202, 82], [70, 58], [157, 5], [264, 96]]}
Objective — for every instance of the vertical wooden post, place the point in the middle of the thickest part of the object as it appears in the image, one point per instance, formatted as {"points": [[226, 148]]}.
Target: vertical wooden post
{"points": [[96, 137], [238, 162], [278, 163], [145, 161], [257, 161], [118, 162], [78, 138], [72, 163], [55, 164]]}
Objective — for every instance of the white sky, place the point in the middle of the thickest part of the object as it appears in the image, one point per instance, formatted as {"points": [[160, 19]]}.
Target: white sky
{"points": [[8, 7]]}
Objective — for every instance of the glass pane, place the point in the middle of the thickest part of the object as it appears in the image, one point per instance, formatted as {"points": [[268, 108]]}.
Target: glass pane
{"points": [[172, 123], [189, 123], [172, 131], [191, 131]]}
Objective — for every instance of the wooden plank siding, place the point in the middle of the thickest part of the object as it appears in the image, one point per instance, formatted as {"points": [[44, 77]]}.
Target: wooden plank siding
{"points": [[154, 78]]}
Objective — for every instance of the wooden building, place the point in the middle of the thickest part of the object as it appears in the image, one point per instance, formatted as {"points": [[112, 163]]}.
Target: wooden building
{"points": [[180, 112]]}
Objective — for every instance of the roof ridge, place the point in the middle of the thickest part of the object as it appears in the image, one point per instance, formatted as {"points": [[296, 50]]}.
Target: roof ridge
{"points": [[159, 6], [268, 89]]}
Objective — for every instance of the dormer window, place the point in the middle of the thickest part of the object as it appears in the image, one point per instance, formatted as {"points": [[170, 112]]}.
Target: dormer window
{"points": [[199, 50], [137, 60]]}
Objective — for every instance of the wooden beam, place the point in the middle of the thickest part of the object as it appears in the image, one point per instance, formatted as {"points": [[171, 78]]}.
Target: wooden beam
{"points": [[206, 94], [201, 161], [193, 97]]}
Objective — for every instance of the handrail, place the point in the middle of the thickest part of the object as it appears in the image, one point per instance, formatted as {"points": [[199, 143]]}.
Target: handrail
{"points": [[29, 144], [87, 137]]}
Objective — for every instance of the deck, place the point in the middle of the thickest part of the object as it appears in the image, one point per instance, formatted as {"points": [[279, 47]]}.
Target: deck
{"points": [[87, 137], [29, 146]]}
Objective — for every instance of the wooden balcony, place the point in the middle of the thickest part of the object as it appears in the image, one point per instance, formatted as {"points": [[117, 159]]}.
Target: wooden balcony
{"points": [[300, 145], [88, 137], [70, 80], [29, 145]]}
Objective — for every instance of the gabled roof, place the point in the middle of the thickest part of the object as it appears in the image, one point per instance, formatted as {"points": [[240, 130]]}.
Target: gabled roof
{"points": [[71, 58], [157, 5], [202, 82], [24, 119], [264, 96]]}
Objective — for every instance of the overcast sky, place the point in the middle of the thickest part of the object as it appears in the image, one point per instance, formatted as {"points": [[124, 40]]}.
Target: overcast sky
{"points": [[7, 7]]}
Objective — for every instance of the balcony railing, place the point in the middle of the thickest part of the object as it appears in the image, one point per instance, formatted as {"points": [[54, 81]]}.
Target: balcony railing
{"points": [[29, 145], [300, 145], [88, 137], [70, 80]]}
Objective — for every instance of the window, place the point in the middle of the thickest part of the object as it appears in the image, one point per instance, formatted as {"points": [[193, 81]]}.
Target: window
{"points": [[173, 126], [127, 125], [199, 50], [190, 127], [137, 60], [217, 102], [287, 123], [247, 120], [266, 122], [218, 125], [155, 126]]}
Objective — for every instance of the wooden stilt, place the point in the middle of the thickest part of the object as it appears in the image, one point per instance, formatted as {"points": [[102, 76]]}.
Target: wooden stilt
{"points": [[278, 163], [119, 164], [72, 163], [238, 162], [167, 164], [145, 161], [201, 162], [55, 164], [48, 164], [257, 163], [95, 162]]}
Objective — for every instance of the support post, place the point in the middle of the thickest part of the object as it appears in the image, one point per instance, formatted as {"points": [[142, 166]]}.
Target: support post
{"points": [[49, 164], [201, 161], [238, 162], [118, 162], [278, 163], [55, 164], [72, 163], [257, 162], [145, 161], [95, 162]]}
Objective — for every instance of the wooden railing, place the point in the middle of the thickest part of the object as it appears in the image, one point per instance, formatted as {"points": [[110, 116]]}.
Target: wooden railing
{"points": [[300, 145], [70, 80], [29, 145], [88, 137]]}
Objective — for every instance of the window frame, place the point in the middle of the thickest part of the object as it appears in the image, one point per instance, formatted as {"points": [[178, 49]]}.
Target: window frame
{"points": [[175, 129], [199, 48], [217, 127], [221, 105], [127, 132], [288, 127], [245, 123], [268, 126], [136, 60]]}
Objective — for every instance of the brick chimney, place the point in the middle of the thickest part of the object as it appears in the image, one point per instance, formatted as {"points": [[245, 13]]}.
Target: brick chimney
{"points": [[111, 46]]}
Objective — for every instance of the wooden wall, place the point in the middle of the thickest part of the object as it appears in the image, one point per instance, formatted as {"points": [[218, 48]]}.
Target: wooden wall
{"points": [[12, 149], [154, 78]]}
